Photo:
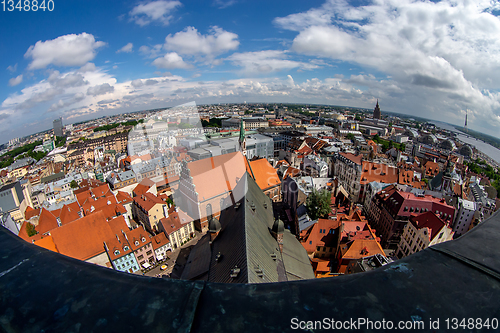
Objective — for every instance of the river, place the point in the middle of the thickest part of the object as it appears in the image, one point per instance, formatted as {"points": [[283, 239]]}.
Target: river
{"points": [[485, 148]]}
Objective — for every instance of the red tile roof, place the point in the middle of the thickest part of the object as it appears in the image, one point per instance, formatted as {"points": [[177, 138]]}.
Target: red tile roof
{"points": [[83, 239], [352, 157], [265, 175], [159, 240], [138, 238], [430, 221]]}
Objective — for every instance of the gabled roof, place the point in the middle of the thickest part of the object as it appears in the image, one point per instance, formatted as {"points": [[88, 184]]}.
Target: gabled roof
{"points": [[138, 238], [82, 239], [430, 221], [322, 233], [123, 198], [118, 246], [159, 240], [223, 171], [148, 201], [47, 243], [245, 241], [46, 222], [361, 248], [265, 175], [30, 212], [352, 157], [377, 172]]}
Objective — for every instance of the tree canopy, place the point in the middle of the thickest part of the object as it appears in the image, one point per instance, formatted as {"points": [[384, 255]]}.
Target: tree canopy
{"points": [[318, 204]]}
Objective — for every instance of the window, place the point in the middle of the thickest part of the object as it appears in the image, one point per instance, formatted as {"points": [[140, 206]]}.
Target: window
{"points": [[140, 257], [117, 252], [136, 243], [209, 210], [148, 253], [143, 239], [125, 248]]}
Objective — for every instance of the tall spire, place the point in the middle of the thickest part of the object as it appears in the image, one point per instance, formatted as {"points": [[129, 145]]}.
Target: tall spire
{"points": [[466, 110], [242, 139], [376, 111]]}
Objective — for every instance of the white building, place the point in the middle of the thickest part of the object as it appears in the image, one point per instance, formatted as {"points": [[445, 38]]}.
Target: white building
{"points": [[464, 217], [421, 232]]}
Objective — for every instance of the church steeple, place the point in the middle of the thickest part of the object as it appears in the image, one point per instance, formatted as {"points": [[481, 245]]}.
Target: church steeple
{"points": [[376, 112], [242, 140]]}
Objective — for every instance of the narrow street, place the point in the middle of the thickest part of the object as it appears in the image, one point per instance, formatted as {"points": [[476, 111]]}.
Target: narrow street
{"points": [[174, 258]]}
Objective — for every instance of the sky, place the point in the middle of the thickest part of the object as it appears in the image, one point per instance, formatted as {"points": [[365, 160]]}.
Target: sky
{"points": [[85, 59]]}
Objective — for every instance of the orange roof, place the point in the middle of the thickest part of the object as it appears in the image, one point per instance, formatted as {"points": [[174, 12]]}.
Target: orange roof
{"points": [[120, 243], [291, 171], [175, 220], [159, 240], [30, 212], [118, 224], [138, 238], [47, 243], [431, 168], [320, 235], [83, 239], [123, 197], [148, 201], [46, 222], [69, 213], [216, 175], [101, 191], [265, 175], [378, 172], [361, 248], [352, 157], [93, 205]]}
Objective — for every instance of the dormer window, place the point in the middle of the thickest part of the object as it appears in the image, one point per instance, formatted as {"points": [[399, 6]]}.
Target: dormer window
{"points": [[136, 243], [143, 239], [117, 252], [125, 248]]}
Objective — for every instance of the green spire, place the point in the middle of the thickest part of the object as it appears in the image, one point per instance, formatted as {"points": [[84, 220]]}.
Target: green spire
{"points": [[242, 131]]}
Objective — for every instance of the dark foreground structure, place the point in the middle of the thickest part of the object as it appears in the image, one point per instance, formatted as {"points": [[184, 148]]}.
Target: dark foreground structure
{"points": [[42, 291]]}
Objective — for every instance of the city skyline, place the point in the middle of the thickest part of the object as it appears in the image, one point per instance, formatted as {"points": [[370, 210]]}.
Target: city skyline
{"points": [[95, 59]]}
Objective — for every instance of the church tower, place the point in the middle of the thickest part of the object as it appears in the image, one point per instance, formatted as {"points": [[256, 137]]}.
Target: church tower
{"points": [[242, 140], [376, 112]]}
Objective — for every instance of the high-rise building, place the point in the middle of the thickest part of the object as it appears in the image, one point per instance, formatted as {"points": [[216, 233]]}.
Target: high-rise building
{"points": [[376, 112], [58, 127]]}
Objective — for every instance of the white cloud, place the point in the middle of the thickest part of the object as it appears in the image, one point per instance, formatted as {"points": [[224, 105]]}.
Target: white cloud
{"points": [[126, 49], [266, 62], [70, 100], [67, 80], [67, 50], [221, 4], [170, 61], [160, 11], [447, 53], [88, 67], [191, 42], [16, 80], [137, 83], [101, 89], [151, 52], [12, 68]]}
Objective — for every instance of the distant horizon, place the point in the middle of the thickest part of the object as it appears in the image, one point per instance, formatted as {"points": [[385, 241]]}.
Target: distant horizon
{"points": [[248, 103], [83, 60]]}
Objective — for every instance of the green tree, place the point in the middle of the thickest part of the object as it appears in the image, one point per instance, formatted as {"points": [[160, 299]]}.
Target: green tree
{"points": [[318, 204], [30, 229], [73, 184], [350, 136]]}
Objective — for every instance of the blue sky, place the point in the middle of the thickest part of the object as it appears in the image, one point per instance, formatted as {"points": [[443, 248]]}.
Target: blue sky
{"points": [[90, 58]]}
